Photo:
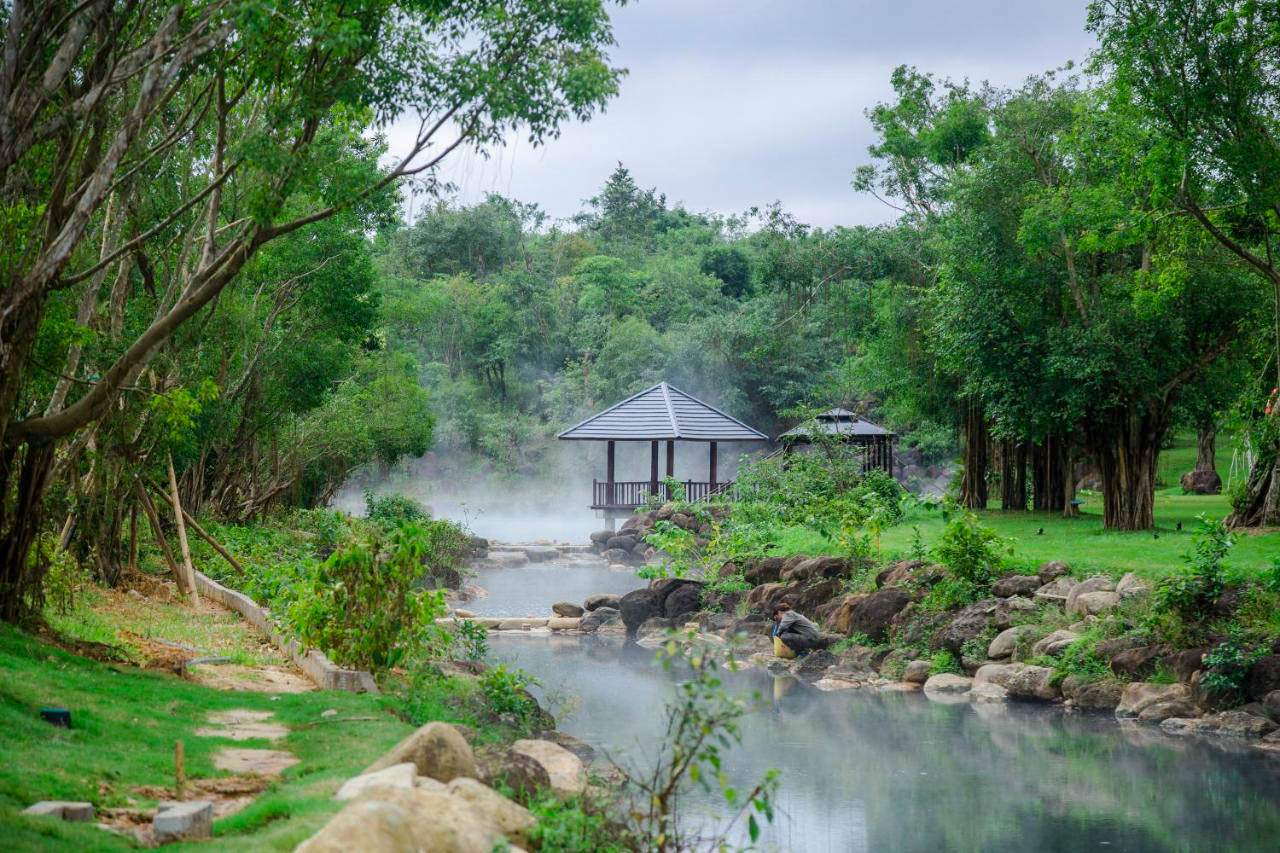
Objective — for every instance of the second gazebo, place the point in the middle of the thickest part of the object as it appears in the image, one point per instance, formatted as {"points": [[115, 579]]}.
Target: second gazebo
{"points": [[658, 414], [876, 441]]}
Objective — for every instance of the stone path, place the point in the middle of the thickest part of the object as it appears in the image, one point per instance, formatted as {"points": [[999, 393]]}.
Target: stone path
{"points": [[243, 724]]}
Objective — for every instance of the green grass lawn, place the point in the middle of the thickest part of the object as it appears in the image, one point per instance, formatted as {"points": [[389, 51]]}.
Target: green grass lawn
{"points": [[125, 722], [1081, 542]]}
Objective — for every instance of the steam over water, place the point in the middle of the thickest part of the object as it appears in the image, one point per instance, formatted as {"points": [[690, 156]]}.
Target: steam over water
{"points": [[867, 771]]}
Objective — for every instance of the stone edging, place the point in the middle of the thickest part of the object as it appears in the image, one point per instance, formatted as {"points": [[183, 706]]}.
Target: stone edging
{"points": [[325, 673]]}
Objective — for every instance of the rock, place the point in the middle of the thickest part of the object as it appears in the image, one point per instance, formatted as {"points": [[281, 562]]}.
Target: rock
{"points": [[1097, 583], [521, 624], [564, 769], [763, 570], [436, 749], [577, 746], [1015, 585], [814, 665], [967, 624], [985, 692], [665, 512], [910, 573], [1201, 482], [840, 619], [917, 672], [639, 606], [1006, 642], [602, 536], [564, 608], [807, 597], [947, 683], [1052, 570], [564, 623], [1098, 695], [1131, 587], [1108, 649], [1140, 695], [1055, 591], [1058, 640], [817, 567], [183, 820], [511, 819], [1263, 677], [995, 673], [601, 599], [1185, 663], [621, 542], [682, 601], [764, 596], [873, 615], [684, 521], [1137, 663], [1272, 703], [657, 625], [1092, 603], [1224, 724], [463, 614], [520, 772], [368, 826], [616, 555], [68, 810], [395, 776], [597, 618], [1032, 682]]}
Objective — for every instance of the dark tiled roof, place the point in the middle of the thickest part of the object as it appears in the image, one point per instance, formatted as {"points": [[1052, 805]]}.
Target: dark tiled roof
{"points": [[843, 423], [662, 412]]}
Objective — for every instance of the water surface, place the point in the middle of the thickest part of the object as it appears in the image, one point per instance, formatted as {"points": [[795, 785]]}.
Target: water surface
{"points": [[531, 589]]}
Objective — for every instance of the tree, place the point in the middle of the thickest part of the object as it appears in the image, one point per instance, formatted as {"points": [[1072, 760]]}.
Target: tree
{"points": [[731, 266], [159, 149], [1204, 74]]}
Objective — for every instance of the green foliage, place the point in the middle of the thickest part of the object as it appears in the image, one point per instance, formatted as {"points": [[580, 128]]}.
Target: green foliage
{"points": [[474, 639], [391, 510], [574, 825], [972, 552], [945, 661], [506, 692], [1181, 601], [362, 608], [1227, 664], [1081, 659]]}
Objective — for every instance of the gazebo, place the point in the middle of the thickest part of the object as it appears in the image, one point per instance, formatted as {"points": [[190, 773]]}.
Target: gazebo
{"points": [[876, 441], [658, 414]]}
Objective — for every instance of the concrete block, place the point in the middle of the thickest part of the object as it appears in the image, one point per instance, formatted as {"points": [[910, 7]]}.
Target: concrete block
{"points": [[62, 809], [185, 820]]}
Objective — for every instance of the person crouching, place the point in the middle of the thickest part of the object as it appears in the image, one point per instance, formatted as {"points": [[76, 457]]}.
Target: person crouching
{"points": [[793, 634]]}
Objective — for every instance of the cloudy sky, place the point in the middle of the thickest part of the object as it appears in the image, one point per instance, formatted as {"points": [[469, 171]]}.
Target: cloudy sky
{"points": [[734, 103]]}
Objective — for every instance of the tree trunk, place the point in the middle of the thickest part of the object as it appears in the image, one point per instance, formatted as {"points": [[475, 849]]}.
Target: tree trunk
{"points": [[1013, 475], [1050, 472], [1259, 505], [1127, 449], [188, 569], [1206, 442], [973, 487], [23, 473]]}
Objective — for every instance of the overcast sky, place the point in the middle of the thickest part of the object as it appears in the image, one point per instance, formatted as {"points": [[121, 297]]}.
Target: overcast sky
{"points": [[734, 103]]}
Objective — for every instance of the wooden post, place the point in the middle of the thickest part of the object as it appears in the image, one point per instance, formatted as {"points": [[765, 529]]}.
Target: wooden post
{"points": [[182, 536], [713, 468], [671, 458], [179, 771], [154, 518], [608, 488], [653, 468]]}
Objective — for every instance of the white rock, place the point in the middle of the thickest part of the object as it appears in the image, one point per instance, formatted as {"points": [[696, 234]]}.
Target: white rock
{"points": [[395, 776], [568, 778]]}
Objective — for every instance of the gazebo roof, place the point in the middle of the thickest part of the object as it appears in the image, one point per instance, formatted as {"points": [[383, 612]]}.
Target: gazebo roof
{"points": [[662, 413], [837, 422]]}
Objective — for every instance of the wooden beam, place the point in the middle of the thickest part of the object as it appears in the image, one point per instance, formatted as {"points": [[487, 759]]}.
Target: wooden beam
{"points": [[653, 467], [671, 458], [713, 466], [609, 471]]}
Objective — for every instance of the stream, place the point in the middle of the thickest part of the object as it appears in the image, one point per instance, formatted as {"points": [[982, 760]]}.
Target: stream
{"points": [[866, 770]]}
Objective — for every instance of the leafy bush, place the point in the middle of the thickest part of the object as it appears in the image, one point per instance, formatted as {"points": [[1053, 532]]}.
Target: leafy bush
{"points": [[507, 692], [390, 510], [971, 551], [1081, 659], [1182, 601], [945, 661], [362, 608], [474, 639], [573, 826], [1226, 666]]}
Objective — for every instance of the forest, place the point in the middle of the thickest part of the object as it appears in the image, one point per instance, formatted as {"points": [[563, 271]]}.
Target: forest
{"points": [[211, 273]]}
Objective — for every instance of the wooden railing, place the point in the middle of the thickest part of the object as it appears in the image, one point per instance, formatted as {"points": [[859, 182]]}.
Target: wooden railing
{"points": [[632, 494]]}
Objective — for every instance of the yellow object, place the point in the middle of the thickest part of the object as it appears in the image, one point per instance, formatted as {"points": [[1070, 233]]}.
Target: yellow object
{"points": [[781, 649]]}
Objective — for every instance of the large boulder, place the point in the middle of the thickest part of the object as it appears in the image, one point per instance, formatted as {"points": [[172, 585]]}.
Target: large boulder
{"points": [[427, 818], [1093, 603], [517, 771], [1137, 662], [1006, 642], [947, 682], [602, 599], [840, 616], [1201, 482], [1240, 724], [968, 623], [763, 570], [512, 819], [654, 628], [369, 826], [395, 776], [1052, 570], [597, 618], [817, 567], [807, 597], [1184, 664], [1131, 586], [766, 595], [436, 749], [1097, 583], [910, 573], [814, 665], [566, 608], [1015, 585], [616, 555], [1032, 683], [874, 614], [602, 536], [568, 777], [1054, 644], [1141, 695], [1263, 677], [1098, 695], [623, 542], [917, 672], [1055, 591], [639, 606], [682, 602]]}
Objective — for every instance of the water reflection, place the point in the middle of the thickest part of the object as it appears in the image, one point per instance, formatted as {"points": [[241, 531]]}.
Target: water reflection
{"points": [[876, 771], [530, 590]]}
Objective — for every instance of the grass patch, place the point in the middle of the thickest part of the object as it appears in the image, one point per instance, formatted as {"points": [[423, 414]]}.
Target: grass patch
{"points": [[125, 724]]}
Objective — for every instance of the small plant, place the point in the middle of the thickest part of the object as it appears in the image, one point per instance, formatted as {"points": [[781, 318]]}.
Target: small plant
{"points": [[474, 639], [945, 661], [390, 510], [1182, 601], [506, 692], [971, 552], [1227, 664], [1081, 659]]}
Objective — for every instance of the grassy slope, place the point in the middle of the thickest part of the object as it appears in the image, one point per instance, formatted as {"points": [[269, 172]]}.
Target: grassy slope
{"points": [[125, 724], [1082, 542]]}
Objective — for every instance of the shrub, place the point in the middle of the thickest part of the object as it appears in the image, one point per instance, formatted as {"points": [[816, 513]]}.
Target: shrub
{"points": [[1081, 659], [1181, 602], [945, 661], [391, 510], [507, 692], [362, 609], [1226, 666], [474, 639], [971, 552]]}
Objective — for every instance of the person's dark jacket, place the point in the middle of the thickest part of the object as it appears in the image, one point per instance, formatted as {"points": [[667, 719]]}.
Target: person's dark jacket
{"points": [[797, 631]]}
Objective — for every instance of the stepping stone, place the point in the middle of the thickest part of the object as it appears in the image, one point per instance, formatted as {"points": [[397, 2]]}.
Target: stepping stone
{"points": [[72, 812], [261, 762], [178, 820], [243, 725]]}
